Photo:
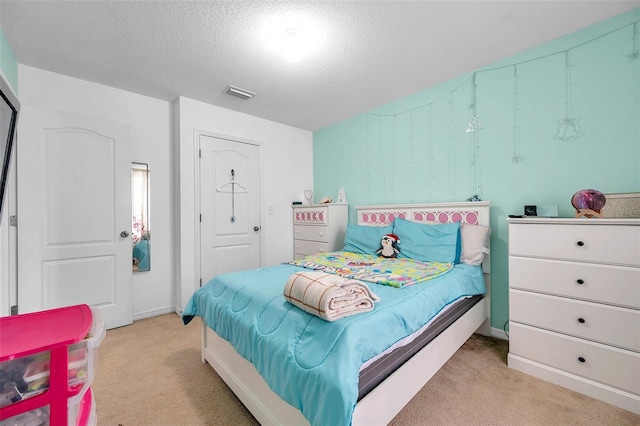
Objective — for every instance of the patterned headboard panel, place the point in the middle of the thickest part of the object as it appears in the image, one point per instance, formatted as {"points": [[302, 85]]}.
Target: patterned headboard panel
{"points": [[474, 213]]}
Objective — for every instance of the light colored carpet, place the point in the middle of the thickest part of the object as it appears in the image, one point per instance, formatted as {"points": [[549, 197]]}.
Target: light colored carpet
{"points": [[150, 373]]}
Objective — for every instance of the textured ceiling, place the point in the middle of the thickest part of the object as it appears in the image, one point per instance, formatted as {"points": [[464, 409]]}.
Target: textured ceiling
{"points": [[368, 52]]}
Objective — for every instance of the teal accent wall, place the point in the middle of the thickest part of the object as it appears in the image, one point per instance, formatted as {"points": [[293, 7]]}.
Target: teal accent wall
{"points": [[8, 63], [417, 149]]}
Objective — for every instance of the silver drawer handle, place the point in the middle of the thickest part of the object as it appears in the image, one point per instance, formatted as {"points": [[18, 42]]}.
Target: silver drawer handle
{"points": [[321, 233]]}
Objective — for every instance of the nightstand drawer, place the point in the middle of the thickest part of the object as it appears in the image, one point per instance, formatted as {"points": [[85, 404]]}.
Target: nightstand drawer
{"points": [[313, 215], [616, 285], [310, 247], [617, 244], [601, 323], [611, 366], [310, 232]]}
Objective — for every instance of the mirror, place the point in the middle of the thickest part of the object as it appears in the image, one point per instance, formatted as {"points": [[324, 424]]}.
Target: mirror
{"points": [[140, 229]]}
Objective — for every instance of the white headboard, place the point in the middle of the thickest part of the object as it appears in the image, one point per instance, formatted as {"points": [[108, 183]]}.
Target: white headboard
{"points": [[472, 212]]}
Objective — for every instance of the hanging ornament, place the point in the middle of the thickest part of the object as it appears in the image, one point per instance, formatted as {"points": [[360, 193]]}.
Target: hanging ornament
{"points": [[516, 158], [569, 127], [474, 124], [635, 52]]}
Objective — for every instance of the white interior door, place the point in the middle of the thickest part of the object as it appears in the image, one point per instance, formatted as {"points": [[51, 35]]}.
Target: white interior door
{"points": [[74, 201], [9, 248], [229, 205]]}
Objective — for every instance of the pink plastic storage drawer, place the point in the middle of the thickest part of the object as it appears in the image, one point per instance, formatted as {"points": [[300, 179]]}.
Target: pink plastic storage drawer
{"points": [[82, 413], [47, 364]]}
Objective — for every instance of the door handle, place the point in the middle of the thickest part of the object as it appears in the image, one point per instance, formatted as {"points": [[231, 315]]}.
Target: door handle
{"points": [[124, 234], [256, 228]]}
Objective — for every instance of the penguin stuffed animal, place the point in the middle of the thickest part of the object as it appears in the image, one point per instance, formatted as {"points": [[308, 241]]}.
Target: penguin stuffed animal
{"points": [[389, 246]]}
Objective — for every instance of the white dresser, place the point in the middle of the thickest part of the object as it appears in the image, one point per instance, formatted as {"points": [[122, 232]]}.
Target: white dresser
{"points": [[574, 305], [319, 228]]}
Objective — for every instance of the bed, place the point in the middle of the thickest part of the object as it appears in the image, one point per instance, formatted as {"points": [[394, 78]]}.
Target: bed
{"points": [[400, 356]]}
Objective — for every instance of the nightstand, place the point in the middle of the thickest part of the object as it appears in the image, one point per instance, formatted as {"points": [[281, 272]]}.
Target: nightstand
{"points": [[319, 228]]}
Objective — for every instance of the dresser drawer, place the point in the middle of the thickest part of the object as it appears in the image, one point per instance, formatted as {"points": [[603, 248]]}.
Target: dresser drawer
{"points": [[601, 323], [611, 366], [310, 247], [315, 215], [617, 244], [310, 232], [616, 285]]}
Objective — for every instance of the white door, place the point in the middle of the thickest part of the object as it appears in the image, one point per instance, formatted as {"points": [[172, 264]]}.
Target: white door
{"points": [[9, 249], [229, 205], [74, 201]]}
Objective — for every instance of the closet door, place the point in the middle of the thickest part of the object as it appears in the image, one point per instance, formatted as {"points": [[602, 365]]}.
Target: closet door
{"points": [[230, 230]]}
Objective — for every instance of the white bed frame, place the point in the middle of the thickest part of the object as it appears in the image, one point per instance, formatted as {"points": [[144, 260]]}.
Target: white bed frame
{"points": [[384, 402]]}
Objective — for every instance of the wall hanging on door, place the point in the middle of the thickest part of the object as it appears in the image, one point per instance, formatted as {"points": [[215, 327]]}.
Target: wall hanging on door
{"points": [[230, 188]]}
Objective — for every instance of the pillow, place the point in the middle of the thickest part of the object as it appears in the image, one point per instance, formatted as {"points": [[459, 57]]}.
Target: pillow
{"points": [[475, 243], [364, 239], [428, 242]]}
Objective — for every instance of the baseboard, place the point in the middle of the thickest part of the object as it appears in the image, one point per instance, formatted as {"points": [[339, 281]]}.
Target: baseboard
{"points": [[153, 313], [498, 333]]}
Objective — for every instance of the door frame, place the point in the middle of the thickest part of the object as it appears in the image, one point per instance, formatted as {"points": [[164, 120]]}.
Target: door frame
{"points": [[196, 217]]}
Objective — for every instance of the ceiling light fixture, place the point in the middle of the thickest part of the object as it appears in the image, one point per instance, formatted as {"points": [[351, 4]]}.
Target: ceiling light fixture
{"points": [[293, 36], [293, 44], [239, 93]]}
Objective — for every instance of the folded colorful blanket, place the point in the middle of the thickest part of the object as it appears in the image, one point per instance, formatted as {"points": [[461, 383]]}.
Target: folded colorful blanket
{"points": [[374, 269], [328, 296]]}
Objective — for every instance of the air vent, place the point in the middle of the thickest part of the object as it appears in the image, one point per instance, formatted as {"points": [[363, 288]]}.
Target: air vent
{"points": [[239, 93]]}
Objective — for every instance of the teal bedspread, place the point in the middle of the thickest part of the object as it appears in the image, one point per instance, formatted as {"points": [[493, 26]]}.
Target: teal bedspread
{"points": [[311, 363]]}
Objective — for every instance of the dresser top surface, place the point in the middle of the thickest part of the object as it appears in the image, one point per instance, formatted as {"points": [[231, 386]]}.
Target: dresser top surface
{"points": [[575, 221], [311, 206]]}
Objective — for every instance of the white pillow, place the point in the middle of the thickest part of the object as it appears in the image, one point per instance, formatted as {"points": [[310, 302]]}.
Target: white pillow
{"points": [[475, 243]]}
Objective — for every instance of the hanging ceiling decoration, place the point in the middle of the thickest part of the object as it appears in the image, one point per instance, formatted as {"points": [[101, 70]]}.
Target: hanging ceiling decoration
{"points": [[635, 52], [569, 127], [517, 157], [474, 149]]}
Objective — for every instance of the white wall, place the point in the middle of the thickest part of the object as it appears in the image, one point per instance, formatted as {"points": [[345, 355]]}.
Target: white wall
{"points": [[151, 123], [287, 172]]}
